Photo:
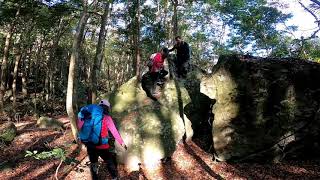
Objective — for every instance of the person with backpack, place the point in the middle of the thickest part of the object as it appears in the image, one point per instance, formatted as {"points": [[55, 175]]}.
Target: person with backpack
{"points": [[94, 124], [183, 56], [156, 67], [155, 75]]}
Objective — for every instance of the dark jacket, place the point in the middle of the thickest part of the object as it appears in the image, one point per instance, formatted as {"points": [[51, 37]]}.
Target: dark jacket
{"points": [[183, 50]]}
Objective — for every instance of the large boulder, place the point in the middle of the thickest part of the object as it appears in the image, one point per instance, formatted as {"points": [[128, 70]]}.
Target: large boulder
{"points": [[151, 129], [266, 109], [198, 110], [8, 132]]}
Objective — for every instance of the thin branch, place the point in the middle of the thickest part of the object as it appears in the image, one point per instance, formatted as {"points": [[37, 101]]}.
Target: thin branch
{"points": [[57, 170], [315, 16], [307, 9], [316, 1], [313, 34]]}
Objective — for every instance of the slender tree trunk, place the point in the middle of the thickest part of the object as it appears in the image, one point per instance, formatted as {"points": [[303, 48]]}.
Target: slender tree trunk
{"points": [[72, 77], [46, 86], [24, 73], [5, 61], [51, 85], [15, 75], [175, 18], [137, 43], [51, 65], [4, 68], [24, 79], [37, 73], [99, 53], [109, 76]]}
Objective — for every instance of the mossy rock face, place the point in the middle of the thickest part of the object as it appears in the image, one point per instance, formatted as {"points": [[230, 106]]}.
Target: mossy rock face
{"points": [[150, 129], [8, 132], [262, 104], [46, 122]]}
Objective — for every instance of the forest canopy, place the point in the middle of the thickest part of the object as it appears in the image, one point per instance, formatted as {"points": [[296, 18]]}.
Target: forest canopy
{"points": [[38, 39]]}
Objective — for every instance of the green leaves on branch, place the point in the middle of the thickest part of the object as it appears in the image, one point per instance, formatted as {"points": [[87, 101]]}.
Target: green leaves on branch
{"points": [[56, 153]]}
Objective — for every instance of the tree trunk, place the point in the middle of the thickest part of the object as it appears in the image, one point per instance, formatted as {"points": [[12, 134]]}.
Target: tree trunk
{"points": [[37, 73], [5, 61], [15, 75], [46, 86], [175, 18], [99, 54], [24, 80], [51, 65], [72, 77], [165, 20], [4, 68], [137, 42], [51, 86]]}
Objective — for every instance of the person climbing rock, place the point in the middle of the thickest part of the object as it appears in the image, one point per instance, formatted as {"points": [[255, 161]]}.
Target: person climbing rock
{"points": [[157, 71], [183, 57], [94, 124], [156, 74]]}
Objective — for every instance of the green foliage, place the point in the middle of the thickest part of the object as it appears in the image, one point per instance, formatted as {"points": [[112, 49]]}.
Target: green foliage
{"points": [[253, 23], [312, 50], [56, 153]]}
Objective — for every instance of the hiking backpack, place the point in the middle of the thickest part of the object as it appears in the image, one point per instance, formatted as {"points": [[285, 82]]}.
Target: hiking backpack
{"points": [[93, 119]]}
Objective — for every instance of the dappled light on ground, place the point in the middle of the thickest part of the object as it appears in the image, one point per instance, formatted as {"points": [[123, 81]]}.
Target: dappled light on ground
{"points": [[188, 162]]}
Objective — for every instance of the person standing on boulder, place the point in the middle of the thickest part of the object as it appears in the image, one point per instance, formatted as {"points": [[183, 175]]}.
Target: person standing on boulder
{"points": [[183, 56], [103, 149]]}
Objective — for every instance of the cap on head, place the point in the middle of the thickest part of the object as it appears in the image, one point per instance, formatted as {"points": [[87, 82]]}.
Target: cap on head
{"points": [[104, 102]]}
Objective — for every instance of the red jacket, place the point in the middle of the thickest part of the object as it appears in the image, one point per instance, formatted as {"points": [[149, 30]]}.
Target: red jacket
{"points": [[157, 63]]}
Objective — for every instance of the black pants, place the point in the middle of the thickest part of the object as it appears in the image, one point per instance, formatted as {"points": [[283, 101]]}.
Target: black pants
{"points": [[108, 157], [155, 76], [147, 84], [180, 65]]}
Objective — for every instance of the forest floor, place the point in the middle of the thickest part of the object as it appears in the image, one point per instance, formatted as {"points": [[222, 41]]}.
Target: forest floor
{"points": [[188, 161]]}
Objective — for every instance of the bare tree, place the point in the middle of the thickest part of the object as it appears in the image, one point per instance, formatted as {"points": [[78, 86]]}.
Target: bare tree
{"points": [[175, 18], [72, 77], [99, 53], [5, 60]]}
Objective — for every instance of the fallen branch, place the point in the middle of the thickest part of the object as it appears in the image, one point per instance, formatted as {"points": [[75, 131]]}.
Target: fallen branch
{"points": [[66, 172], [57, 170]]}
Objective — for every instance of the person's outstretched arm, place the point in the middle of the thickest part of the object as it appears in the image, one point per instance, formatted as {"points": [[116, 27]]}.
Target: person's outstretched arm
{"points": [[172, 49], [114, 131]]}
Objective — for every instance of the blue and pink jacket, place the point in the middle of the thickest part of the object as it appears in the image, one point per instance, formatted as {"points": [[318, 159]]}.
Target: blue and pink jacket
{"points": [[107, 125]]}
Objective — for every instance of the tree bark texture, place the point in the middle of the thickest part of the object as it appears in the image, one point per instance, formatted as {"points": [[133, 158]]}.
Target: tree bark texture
{"points": [[99, 53], [72, 77]]}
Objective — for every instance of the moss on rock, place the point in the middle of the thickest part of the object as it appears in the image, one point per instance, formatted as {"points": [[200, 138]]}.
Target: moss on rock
{"points": [[151, 129], [46, 122], [8, 132]]}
